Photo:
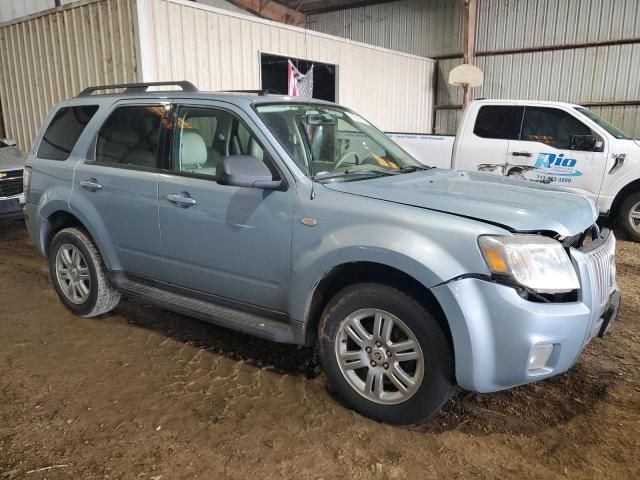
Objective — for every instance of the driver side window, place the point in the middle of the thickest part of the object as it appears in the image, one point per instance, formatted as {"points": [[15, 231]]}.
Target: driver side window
{"points": [[552, 127]]}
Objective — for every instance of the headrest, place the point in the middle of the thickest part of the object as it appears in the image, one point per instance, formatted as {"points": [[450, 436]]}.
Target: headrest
{"points": [[126, 138], [193, 150], [154, 137]]}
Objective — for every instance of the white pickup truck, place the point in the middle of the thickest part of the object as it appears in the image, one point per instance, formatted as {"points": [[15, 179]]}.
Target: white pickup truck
{"points": [[550, 142]]}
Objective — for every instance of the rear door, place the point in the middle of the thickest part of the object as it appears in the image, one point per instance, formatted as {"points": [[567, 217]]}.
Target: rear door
{"points": [[232, 244], [116, 186], [483, 145], [544, 154]]}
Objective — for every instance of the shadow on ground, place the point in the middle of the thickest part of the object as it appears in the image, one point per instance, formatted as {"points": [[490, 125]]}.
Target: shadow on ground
{"points": [[525, 410]]}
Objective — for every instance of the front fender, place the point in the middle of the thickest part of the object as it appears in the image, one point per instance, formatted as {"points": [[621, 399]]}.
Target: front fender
{"points": [[403, 249]]}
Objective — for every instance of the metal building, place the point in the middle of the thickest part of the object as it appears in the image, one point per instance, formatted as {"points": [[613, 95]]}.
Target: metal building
{"points": [[54, 54], [582, 51]]}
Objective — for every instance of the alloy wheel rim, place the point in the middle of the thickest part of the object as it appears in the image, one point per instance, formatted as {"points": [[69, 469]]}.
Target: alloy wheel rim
{"points": [[72, 273], [634, 217], [379, 356]]}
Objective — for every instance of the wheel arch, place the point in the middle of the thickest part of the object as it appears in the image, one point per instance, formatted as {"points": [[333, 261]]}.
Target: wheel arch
{"points": [[623, 193], [58, 219], [345, 274]]}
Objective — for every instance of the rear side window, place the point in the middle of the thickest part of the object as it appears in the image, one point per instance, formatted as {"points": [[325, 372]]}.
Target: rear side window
{"points": [[130, 137], [499, 121], [64, 130]]}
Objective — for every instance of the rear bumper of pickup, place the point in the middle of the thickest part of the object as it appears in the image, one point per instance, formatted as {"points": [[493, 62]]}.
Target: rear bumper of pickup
{"points": [[496, 332]]}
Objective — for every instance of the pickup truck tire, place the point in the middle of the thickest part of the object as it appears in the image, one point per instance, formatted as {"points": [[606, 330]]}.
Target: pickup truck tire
{"points": [[78, 274], [401, 375], [629, 209]]}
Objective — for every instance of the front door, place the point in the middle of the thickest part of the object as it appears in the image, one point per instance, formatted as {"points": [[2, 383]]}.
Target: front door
{"points": [[543, 153], [119, 181], [230, 242]]}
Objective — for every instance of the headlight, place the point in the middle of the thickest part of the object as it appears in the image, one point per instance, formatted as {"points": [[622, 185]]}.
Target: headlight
{"points": [[26, 181], [536, 262]]}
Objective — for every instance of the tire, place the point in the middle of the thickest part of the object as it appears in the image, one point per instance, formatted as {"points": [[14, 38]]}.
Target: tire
{"points": [[630, 206], [433, 376], [74, 257]]}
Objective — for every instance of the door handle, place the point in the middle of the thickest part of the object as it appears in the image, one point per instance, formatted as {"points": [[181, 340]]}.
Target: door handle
{"points": [[521, 154], [181, 199], [90, 184]]}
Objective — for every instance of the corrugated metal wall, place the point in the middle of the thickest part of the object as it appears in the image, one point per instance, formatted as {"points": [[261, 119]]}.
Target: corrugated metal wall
{"points": [[14, 9], [55, 55], [426, 28], [603, 73], [219, 50]]}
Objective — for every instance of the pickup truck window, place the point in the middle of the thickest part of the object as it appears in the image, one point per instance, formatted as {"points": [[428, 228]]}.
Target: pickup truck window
{"points": [[64, 130], [499, 122], [332, 142], [205, 135], [130, 136], [612, 130], [551, 126]]}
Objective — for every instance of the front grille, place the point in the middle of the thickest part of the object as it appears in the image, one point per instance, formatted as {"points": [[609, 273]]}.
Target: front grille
{"points": [[601, 262], [10, 183]]}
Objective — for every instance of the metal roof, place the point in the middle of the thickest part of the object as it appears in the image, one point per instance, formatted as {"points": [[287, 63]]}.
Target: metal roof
{"points": [[320, 6]]}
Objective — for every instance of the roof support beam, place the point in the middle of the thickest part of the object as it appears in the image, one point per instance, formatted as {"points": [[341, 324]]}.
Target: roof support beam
{"points": [[272, 11]]}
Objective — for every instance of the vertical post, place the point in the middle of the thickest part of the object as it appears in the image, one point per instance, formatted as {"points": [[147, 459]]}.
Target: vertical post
{"points": [[469, 12], [2, 132]]}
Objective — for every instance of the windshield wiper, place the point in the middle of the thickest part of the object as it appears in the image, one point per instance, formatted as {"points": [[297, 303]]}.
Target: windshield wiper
{"points": [[358, 171], [412, 168], [350, 171]]}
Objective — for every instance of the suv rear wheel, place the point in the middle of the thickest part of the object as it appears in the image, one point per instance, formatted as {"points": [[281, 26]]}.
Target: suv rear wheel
{"points": [[385, 354], [78, 274]]}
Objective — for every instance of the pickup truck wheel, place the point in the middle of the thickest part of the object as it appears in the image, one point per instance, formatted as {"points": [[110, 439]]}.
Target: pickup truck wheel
{"points": [[385, 354], [78, 274], [629, 216]]}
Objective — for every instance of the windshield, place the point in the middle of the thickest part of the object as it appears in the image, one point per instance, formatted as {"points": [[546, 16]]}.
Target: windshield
{"points": [[334, 144], [611, 129]]}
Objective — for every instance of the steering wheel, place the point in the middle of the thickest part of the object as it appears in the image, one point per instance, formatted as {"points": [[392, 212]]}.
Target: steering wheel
{"points": [[344, 157]]}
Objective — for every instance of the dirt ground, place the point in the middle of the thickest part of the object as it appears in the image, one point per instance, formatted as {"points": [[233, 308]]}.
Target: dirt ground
{"points": [[147, 394]]}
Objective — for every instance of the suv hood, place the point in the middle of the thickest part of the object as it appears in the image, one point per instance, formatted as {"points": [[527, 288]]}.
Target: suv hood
{"points": [[11, 159], [518, 205]]}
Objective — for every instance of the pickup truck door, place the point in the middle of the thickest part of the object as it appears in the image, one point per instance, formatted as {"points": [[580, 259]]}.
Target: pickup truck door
{"points": [[483, 145], [231, 244], [543, 153]]}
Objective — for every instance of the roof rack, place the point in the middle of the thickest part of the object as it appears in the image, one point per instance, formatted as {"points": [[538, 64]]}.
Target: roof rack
{"points": [[264, 91], [139, 87]]}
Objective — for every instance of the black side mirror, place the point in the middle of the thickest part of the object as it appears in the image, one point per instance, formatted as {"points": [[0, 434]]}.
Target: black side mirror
{"points": [[245, 171], [583, 142]]}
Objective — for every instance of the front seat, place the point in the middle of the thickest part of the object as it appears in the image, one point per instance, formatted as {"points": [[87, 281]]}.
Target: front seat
{"points": [[193, 154]]}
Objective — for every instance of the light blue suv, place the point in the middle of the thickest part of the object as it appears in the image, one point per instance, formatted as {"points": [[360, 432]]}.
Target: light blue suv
{"points": [[299, 222]]}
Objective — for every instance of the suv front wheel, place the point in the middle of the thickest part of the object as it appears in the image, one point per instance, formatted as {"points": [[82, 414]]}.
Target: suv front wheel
{"points": [[78, 274], [385, 354]]}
